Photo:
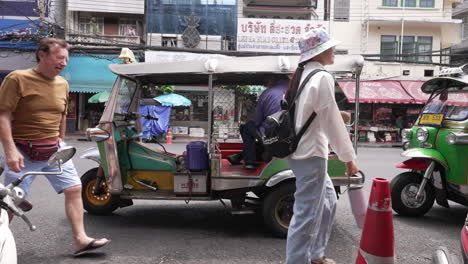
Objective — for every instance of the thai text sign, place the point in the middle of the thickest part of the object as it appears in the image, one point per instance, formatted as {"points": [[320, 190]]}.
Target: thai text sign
{"points": [[272, 35]]}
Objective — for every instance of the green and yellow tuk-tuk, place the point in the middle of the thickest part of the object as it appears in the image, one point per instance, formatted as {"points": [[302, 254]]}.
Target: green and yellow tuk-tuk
{"points": [[438, 149], [129, 169]]}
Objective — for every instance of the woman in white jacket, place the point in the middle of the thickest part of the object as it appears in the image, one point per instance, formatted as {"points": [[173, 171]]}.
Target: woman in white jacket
{"points": [[315, 197]]}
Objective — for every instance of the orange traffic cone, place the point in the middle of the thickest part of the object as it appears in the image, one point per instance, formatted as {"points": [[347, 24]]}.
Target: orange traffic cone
{"points": [[377, 240], [169, 136]]}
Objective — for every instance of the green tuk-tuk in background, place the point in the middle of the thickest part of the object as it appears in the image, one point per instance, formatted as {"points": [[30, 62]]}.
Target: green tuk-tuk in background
{"points": [[129, 169], [438, 149]]}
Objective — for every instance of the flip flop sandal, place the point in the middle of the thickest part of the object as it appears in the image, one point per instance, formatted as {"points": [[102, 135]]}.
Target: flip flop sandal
{"points": [[89, 247]]}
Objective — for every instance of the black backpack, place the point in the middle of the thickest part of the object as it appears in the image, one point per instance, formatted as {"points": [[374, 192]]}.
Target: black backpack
{"points": [[280, 138]]}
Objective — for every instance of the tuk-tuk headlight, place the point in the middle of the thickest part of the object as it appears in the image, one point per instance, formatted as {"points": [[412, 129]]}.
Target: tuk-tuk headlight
{"points": [[422, 134], [406, 134], [97, 134]]}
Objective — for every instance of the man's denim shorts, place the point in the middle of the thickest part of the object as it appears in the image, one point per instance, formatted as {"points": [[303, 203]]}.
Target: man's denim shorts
{"points": [[67, 179]]}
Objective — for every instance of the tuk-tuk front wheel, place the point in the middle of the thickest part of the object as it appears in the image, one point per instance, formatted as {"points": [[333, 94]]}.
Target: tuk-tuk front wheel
{"points": [[404, 188], [278, 209], [101, 204]]}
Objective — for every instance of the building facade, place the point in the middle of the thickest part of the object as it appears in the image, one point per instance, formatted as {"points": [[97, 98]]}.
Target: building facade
{"points": [[91, 26], [404, 43], [459, 50]]}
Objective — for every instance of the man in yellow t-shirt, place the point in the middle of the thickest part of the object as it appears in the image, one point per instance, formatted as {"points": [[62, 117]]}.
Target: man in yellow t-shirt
{"points": [[33, 111]]}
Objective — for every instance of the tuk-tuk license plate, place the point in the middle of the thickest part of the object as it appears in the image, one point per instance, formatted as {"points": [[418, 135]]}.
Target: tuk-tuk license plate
{"points": [[431, 119]]}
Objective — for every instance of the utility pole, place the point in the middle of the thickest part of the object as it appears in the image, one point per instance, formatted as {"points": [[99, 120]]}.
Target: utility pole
{"points": [[42, 7]]}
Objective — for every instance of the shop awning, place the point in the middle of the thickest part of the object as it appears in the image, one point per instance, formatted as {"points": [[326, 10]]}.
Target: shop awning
{"points": [[376, 92], [414, 89], [90, 74]]}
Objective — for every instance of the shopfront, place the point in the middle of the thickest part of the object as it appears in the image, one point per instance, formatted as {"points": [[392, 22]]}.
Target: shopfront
{"points": [[386, 107], [87, 75]]}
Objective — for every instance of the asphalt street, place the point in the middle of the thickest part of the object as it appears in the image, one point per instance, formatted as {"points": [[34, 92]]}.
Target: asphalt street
{"points": [[204, 232]]}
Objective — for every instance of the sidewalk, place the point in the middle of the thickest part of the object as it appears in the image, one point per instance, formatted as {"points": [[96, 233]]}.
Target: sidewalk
{"points": [[81, 136]]}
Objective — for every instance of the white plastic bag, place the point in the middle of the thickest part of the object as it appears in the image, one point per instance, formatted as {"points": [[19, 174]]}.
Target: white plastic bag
{"points": [[358, 201]]}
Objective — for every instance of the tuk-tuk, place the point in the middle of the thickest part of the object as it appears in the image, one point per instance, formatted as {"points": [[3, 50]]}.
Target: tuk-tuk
{"points": [[129, 169], [438, 149]]}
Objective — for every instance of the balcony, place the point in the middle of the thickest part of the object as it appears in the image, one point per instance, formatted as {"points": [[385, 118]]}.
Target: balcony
{"points": [[443, 18], [104, 39], [461, 10], [281, 3]]}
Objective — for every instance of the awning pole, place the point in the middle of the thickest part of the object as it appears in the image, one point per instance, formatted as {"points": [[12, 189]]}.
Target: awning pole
{"points": [[210, 113], [356, 112]]}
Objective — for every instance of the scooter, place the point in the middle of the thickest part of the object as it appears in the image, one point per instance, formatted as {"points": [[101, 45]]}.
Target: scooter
{"points": [[13, 199]]}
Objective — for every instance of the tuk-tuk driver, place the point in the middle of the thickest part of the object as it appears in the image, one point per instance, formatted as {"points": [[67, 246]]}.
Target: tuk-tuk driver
{"points": [[268, 103]]}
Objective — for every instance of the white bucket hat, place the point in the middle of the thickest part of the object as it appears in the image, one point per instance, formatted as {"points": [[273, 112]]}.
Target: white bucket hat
{"points": [[314, 42]]}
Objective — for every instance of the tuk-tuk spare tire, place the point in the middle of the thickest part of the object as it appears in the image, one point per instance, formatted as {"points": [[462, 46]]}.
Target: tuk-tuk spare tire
{"points": [[277, 208], [400, 184], [103, 204]]}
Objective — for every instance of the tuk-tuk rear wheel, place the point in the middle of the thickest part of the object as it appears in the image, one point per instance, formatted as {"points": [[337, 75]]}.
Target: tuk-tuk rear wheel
{"points": [[278, 209], [403, 191], [101, 204]]}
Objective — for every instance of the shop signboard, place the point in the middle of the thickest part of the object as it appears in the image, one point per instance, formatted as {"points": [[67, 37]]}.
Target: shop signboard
{"points": [[272, 35]]}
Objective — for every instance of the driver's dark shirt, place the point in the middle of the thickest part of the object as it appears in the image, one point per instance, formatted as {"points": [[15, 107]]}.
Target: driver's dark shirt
{"points": [[269, 103]]}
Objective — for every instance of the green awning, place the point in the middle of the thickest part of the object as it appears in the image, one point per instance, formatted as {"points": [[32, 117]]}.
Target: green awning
{"points": [[90, 74]]}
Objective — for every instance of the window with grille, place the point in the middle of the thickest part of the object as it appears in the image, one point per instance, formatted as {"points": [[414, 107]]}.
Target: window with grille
{"points": [[409, 47], [169, 42], [388, 48], [341, 10], [424, 44], [426, 3], [390, 3], [91, 25], [409, 3], [127, 27]]}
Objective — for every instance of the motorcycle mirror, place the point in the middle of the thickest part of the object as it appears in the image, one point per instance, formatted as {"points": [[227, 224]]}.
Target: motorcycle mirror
{"points": [[63, 155]]}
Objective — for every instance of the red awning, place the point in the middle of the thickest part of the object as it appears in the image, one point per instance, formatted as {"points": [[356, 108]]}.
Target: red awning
{"points": [[414, 89], [377, 92]]}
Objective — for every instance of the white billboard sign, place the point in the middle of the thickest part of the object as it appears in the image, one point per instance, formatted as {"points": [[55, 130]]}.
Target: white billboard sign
{"points": [[272, 35]]}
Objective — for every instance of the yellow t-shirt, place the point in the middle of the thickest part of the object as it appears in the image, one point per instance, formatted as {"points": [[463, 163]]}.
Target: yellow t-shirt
{"points": [[36, 103]]}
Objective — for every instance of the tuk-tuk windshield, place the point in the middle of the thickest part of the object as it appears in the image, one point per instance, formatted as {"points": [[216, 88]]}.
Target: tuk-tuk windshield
{"points": [[126, 93], [450, 111]]}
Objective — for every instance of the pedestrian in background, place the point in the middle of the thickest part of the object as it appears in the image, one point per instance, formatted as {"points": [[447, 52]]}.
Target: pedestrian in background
{"points": [[33, 115], [315, 197]]}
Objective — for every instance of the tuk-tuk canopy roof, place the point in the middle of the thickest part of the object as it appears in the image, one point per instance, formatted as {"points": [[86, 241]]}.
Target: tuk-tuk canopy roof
{"points": [[452, 84], [226, 70]]}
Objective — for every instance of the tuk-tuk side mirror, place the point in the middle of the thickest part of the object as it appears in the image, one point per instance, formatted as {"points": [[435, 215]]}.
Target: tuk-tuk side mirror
{"points": [[97, 134], [457, 138]]}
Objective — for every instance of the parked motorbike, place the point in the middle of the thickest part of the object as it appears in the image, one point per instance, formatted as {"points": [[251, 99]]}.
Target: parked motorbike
{"points": [[438, 149], [12, 199]]}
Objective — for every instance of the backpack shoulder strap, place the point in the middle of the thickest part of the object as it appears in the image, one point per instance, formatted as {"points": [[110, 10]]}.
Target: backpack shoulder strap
{"points": [[303, 84], [313, 115]]}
